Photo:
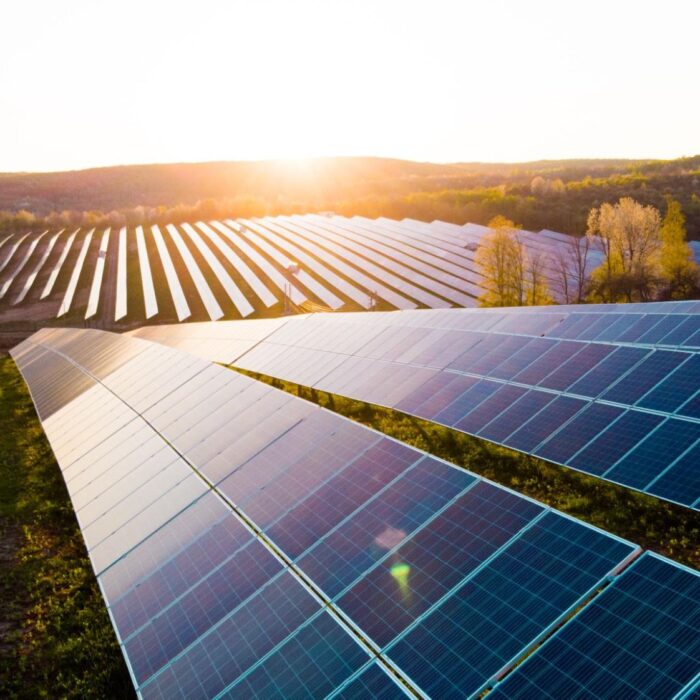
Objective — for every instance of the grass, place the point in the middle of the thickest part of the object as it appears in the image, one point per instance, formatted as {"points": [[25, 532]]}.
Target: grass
{"points": [[56, 639], [662, 527]]}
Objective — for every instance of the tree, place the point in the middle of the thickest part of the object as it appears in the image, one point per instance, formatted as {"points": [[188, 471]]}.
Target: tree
{"points": [[680, 273], [511, 276], [571, 263], [628, 235]]}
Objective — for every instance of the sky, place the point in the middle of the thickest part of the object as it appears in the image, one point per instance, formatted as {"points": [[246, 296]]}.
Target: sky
{"points": [[88, 83]]}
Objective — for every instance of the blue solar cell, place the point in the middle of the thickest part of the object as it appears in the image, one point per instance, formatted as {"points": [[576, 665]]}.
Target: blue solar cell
{"points": [[573, 369], [676, 389], [310, 664], [325, 457], [434, 560], [606, 325], [691, 407], [621, 328], [181, 623], [384, 522], [692, 342], [641, 325], [469, 400], [328, 505], [521, 359], [447, 348], [371, 683], [612, 444], [150, 577], [574, 325], [506, 606], [505, 346], [644, 463], [489, 409], [549, 419], [173, 539], [638, 639], [486, 345], [237, 643], [661, 329], [645, 376], [512, 418], [554, 357], [683, 331], [681, 481], [608, 371], [582, 429], [436, 394]]}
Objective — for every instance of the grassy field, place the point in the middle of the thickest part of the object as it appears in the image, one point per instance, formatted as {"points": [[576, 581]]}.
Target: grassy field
{"points": [[662, 527], [56, 640]]}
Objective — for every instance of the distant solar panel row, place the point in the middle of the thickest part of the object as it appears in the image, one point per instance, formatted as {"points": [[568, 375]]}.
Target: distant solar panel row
{"points": [[238, 268], [615, 394], [251, 544]]}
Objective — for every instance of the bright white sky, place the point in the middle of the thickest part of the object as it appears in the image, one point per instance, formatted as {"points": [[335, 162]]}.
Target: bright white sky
{"points": [[91, 82]]}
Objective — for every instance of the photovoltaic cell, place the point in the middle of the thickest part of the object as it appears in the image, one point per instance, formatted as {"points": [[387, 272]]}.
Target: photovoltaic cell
{"points": [[612, 444], [510, 419], [548, 420], [416, 575], [644, 377], [373, 682], [311, 663], [348, 550], [681, 481], [592, 421], [504, 606], [646, 461], [638, 639]]}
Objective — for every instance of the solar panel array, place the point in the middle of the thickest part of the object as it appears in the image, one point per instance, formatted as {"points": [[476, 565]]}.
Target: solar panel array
{"points": [[241, 268], [613, 391], [249, 543]]}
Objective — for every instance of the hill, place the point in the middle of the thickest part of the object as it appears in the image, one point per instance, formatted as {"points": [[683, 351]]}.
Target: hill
{"points": [[542, 194]]}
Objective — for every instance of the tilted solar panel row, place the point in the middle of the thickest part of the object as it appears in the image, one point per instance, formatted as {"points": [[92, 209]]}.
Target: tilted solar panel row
{"points": [[618, 403], [251, 544]]}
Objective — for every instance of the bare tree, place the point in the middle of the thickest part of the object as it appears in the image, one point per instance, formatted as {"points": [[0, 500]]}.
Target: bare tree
{"points": [[571, 263]]}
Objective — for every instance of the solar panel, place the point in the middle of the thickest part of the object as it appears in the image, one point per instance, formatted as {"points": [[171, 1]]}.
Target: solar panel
{"points": [[206, 295], [20, 266], [235, 295], [433, 278], [232, 231], [182, 308], [625, 411], [390, 272], [250, 543], [37, 268], [120, 306], [12, 251], [637, 639], [51, 281], [251, 231], [149, 293], [334, 258], [255, 283], [268, 229], [64, 308], [94, 298]]}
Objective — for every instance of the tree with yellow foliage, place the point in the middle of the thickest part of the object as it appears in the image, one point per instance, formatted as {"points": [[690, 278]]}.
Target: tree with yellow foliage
{"points": [[628, 235], [511, 276], [679, 271]]}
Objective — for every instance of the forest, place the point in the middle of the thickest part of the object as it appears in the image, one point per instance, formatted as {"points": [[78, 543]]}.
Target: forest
{"points": [[556, 195]]}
